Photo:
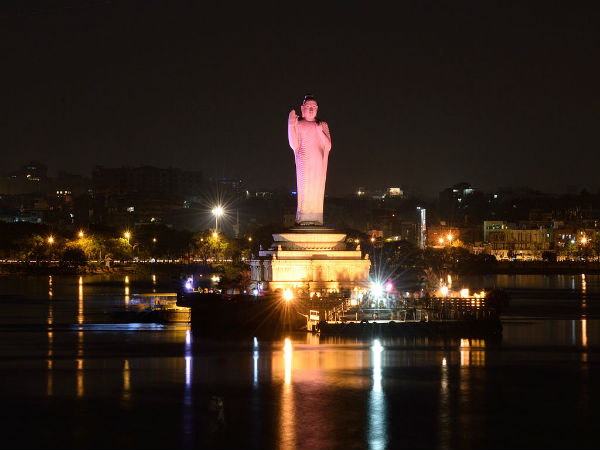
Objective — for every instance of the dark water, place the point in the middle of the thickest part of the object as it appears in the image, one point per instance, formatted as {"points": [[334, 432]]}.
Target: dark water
{"points": [[71, 377]]}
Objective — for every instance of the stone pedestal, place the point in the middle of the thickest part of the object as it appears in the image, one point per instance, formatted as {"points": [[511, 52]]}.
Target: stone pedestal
{"points": [[312, 259]]}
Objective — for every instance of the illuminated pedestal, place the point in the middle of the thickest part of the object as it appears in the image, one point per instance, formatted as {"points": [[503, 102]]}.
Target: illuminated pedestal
{"points": [[312, 259]]}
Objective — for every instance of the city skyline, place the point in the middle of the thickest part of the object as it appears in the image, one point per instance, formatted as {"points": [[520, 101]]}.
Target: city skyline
{"points": [[496, 95]]}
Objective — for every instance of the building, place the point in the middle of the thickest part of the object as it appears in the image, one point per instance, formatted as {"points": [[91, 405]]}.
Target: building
{"points": [[310, 261], [509, 241]]}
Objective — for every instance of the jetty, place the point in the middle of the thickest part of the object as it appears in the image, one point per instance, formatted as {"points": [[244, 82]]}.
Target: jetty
{"points": [[271, 315]]}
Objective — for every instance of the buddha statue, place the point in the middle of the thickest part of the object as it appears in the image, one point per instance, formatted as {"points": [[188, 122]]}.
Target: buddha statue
{"points": [[310, 140]]}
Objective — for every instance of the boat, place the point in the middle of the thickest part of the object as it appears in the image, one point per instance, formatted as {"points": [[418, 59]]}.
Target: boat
{"points": [[153, 308]]}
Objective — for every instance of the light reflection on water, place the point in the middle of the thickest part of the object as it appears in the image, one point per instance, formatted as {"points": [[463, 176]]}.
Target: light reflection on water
{"points": [[287, 418], [377, 431], [304, 376]]}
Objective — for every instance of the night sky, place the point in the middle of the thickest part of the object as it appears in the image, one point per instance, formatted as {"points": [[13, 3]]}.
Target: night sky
{"points": [[421, 96]]}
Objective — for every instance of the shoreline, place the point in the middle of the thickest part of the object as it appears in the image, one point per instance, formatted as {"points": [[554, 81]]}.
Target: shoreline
{"points": [[22, 268]]}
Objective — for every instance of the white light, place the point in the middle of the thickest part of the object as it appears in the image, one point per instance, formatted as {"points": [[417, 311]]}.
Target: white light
{"points": [[376, 290], [217, 211], [444, 290], [287, 358], [464, 293], [287, 295]]}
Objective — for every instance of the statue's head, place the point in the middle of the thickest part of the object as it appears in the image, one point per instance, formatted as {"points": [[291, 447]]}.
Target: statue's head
{"points": [[309, 108]]}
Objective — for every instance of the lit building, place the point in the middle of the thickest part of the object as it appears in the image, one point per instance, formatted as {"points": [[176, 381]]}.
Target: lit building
{"points": [[310, 261], [508, 241]]}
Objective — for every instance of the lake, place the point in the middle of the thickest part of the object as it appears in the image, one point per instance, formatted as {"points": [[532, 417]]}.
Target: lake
{"points": [[72, 377]]}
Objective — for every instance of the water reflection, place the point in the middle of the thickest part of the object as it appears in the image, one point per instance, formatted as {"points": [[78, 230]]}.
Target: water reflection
{"points": [[444, 414], [188, 420], [79, 377], [50, 332], [255, 358], [584, 336], [287, 417], [126, 382], [80, 339], [377, 431], [472, 352], [80, 302]]}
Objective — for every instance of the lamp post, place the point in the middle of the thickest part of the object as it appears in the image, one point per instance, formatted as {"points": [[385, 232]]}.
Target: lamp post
{"points": [[127, 235], [218, 212]]}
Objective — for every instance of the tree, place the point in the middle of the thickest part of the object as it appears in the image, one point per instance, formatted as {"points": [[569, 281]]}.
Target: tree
{"points": [[118, 249], [73, 256]]}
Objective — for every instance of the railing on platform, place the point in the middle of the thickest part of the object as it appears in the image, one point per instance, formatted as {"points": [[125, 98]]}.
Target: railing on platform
{"points": [[404, 310]]}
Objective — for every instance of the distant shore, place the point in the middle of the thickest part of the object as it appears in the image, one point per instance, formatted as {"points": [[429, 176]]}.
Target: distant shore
{"points": [[500, 267], [23, 268], [543, 267]]}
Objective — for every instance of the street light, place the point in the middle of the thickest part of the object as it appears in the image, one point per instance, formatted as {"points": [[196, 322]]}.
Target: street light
{"points": [[218, 212], [50, 240], [127, 236], [80, 234]]}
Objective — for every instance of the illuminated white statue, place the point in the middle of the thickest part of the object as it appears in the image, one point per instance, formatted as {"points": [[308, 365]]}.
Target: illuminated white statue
{"points": [[309, 138]]}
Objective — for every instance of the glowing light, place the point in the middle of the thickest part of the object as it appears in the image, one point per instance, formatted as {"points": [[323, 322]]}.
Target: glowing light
{"points": [[444, 362], [376, 290], [127, 235], [389, 286], [216, 279], [287, 295], [249, 239], [255, 292], [584, 240], [126, 279], [287, 357], [188, 358], [189, 285], [80, 235], [372, 239], [154, 240], [255, 342], [50, 240], [441, 240], [255, 358], [444, 290], [377, 430], [449, 237], [377, 348], [215, 235], [80, 280], [217, 211], [464, 293]]}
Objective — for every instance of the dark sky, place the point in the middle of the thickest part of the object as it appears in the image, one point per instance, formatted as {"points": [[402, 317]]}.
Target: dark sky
{"points": [[422, 96]]}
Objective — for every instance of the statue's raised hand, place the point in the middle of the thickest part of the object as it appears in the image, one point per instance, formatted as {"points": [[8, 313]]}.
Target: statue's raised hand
{"points": [[293, 118]]}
